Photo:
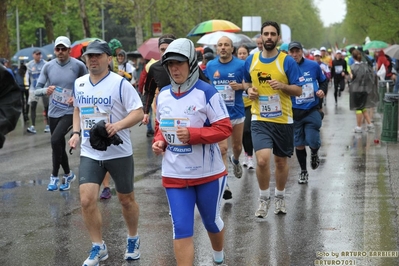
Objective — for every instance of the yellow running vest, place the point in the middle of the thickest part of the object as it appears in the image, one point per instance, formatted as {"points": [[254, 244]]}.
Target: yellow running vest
{"points": [[272, 105]]}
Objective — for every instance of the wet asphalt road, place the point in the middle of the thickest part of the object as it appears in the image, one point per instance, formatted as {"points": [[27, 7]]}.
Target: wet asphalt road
{"points": [[344, 215]]}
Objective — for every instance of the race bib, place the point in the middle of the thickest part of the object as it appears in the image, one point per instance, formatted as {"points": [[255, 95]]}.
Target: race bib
{"points": [[90, 117], [270, 106], [227, 93], [307, 94], [338, 69], [168, 128], [61, 96]]}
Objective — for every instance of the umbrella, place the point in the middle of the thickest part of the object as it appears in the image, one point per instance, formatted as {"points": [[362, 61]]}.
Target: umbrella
{"points": [[26, 54], [134, 54], [49, 49], [245, 39], [213, 38], [350, 46], [256, 37], [374, 45], [78, 47], [149, 49], [212, 26], [392, 51]]}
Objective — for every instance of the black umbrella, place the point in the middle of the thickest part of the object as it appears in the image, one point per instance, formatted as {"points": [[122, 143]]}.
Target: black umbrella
{"points": [[26, 54]]}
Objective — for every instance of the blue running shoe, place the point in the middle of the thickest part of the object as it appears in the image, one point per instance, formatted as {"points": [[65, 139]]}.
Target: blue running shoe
{"points": [[47, 129], [97, 254], [31, 129], [219, 262], [132, 249], [68, 179], [54, 180]]}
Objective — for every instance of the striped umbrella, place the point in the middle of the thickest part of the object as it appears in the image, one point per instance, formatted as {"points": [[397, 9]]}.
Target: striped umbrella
{"points": [[212, 26]]}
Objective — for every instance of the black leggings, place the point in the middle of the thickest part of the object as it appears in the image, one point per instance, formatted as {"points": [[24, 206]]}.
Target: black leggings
{"points": [[246, 136], [33, 107], [24, 100], [59, 127], [339, 81]]}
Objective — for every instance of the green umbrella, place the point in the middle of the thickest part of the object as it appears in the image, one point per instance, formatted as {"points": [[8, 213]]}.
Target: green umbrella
{"points": [[375, 45]]}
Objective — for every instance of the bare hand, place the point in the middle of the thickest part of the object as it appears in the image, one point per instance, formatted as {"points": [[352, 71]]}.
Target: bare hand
{"points": [[253, 93], [146, 119], [183, 134], [50, 90], [320, 94], [73, 141], [158, 147], [112, 129], [70, 101], [276, 85], [235, 86]]}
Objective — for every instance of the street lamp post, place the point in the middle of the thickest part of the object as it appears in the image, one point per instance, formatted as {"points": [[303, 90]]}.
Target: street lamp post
{"points": [[102, 20], [17, 26]]}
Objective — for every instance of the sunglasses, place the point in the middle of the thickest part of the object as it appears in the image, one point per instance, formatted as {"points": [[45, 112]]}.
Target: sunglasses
{"points": [[57, 49]]}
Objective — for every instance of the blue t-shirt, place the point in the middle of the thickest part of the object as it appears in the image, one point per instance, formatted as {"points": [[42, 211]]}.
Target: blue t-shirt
{"points": [[313, 76], [220, 75]]}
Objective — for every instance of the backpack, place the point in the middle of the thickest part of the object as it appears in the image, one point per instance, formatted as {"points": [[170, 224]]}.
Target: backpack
{"points": [[389, 69]]}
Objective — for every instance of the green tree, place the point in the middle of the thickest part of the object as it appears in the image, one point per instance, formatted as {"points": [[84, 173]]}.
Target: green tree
{"points": [[4, 37]]}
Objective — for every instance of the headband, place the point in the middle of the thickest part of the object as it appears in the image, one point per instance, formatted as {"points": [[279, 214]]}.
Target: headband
{"points": [[165, 40]]}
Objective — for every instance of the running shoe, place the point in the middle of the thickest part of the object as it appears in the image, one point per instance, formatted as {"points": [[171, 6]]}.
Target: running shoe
{"points": [[237, 167], [31, 129], [279, 205], [250, 163], [53, 185], [97, 254], [227, 193], [314, 161], [370, 128], [219, 262], [263, 208], [68, 179], [47, 129], [132, 248], [358, 130], [245, 163], [150, 133], [106, 194], [303, 178]]}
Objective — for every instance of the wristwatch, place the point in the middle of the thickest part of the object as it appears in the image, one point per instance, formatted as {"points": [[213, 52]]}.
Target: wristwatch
{"points": [[75, 132]]}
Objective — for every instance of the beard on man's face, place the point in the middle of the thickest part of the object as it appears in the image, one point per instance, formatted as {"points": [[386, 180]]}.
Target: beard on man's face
{"points": [[269, 45]]}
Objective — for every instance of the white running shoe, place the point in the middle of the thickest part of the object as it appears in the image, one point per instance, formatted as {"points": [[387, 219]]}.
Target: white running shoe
{"points": [[263, 208], [97, 254], [250, 163], [279, 204], [245, 162]]}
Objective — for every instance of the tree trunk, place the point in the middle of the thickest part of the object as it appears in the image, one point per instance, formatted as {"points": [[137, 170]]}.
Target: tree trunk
{"points": [[139, 34], [4, 38], [49, 26], [85, 20]]}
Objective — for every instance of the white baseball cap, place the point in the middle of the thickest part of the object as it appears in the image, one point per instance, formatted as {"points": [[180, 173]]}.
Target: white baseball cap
{"points": [[62, 40]]}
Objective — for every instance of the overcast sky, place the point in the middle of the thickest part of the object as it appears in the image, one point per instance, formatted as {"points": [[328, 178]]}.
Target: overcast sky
{"points": [[331, 11]]}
